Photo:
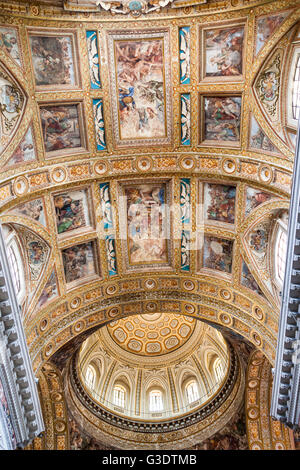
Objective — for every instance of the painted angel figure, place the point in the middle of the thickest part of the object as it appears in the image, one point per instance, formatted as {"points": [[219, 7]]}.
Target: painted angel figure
{"points": [[93, 59], [184, 54], [185, 120], [100, 132]]}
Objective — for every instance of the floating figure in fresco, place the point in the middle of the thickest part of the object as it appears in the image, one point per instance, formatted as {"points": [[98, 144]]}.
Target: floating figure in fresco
{"points": [[126, 98], [231, 108], [69, 213], [223, 132], [222, 203], [52, 60], [218, 254], [224, 50], [224, 108]]}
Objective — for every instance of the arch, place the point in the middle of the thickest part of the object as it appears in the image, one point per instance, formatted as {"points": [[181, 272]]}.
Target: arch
{"points": [[192, 390], [90, 376], [16, 258], [218, 370], [279, 240], [263, 432], [12, 117], [120, 393], [156, 402]]}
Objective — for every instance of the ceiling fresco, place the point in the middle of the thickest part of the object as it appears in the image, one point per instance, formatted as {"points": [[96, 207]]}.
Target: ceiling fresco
{"points": [[143, 162]]}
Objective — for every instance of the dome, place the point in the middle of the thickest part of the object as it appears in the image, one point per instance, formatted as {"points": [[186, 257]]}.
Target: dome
{"points": [[199, 357]]}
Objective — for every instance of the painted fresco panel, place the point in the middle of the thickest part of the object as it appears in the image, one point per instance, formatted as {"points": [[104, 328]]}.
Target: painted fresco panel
{"points": [[9, 42], [222, 119], [53, 60], [50, 291], [247, 280], [259, 140], [223, 51], [61, 127], [255, 197], [71, 210], [217, 253], [139, 67], [266, 27], [25, 152], [12, 101], [258, 240], [32, 209], [219, 202], [146, 223], [79, 261], [140, 80], [37, 251]]}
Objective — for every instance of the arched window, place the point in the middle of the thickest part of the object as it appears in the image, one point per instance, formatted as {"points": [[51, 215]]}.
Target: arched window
{"points": [[155, 401], [14, 267], [16, 260], [218, 368], [90, 376], [296, 90], [280, 253], [192, 392], [119, 394]]}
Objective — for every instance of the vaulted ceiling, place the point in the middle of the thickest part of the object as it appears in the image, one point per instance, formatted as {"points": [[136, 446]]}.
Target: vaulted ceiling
{"points": [[144, 162]]}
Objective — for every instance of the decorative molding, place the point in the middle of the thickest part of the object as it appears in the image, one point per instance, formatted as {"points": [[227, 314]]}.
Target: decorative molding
{"points": [[263, 432], [20, 383]]}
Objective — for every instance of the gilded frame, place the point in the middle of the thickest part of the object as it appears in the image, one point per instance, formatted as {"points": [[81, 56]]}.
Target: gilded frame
{"points": [[157, 34], [82, 129], [43, 32]]}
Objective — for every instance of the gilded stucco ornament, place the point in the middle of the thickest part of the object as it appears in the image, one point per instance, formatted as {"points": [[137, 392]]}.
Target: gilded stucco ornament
{"points": [[134, 7]]}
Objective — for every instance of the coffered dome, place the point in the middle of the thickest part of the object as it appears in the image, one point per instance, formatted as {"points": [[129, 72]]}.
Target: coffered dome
{"points": [[152, 333], [184, 378]]}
